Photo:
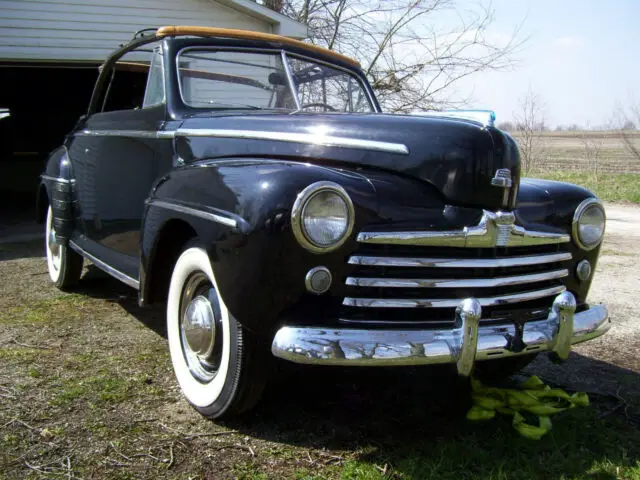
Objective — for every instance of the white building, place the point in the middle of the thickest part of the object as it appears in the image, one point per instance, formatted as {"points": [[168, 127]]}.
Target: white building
{"points": [[50, 51], [87, 30]]}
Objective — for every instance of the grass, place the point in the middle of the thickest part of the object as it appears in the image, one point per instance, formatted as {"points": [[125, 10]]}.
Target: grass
{"points": [[87, 391], [612, 187], [581, 446]]}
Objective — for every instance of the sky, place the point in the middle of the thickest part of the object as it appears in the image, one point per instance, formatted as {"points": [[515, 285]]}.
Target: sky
{"points": [[582, 57]]}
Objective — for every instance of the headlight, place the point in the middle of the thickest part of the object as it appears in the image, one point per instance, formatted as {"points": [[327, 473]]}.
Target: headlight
{"points": [[588, 224], [322, 217]]}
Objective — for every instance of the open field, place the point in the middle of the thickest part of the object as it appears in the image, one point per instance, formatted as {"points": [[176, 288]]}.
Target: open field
{"points": [[87, 391], [611, 187], [587, 152]]}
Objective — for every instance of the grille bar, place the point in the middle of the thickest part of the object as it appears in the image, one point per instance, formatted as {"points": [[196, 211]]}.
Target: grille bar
{"points": [[456, 283], [450, 303], [376, 261]]}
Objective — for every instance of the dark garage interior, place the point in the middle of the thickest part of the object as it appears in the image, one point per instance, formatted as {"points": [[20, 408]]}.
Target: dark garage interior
{"points": [[43, 101]]}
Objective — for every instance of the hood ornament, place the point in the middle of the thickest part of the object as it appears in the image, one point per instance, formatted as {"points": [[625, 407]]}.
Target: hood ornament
{"points": [[502, 178]]}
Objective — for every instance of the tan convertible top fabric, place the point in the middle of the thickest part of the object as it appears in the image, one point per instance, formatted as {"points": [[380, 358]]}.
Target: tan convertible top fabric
{"points": [[249, 35]]}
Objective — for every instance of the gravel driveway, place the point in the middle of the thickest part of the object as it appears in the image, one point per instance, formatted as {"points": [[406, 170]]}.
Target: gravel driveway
{"points": [[611, 363]]}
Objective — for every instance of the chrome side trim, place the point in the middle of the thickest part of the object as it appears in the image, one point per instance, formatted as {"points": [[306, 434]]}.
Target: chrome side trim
{"points": [[454, 282], [309, 138], [373, 261], [494, 229], [57, 179], [319, 138], [366, 347], [127, 133], [176, 207], [450, 303], [123, 277], [576, 218]]}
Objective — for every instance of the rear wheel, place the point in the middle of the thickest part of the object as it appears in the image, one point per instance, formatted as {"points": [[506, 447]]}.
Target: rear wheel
{"points": [[65, 265], [221, 368]]}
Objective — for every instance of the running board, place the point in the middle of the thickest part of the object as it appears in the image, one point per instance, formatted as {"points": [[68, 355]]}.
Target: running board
{"points": [[117, 274]]}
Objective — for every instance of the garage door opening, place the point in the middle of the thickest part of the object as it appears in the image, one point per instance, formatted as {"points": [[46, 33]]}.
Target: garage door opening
{"points": [[39, 105]]}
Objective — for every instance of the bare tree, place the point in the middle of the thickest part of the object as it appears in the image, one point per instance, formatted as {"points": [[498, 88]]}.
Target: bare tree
{"points": [[592, 147], [625, 120], [530, 126], [275, 5], [506, 126], [412, 63]]}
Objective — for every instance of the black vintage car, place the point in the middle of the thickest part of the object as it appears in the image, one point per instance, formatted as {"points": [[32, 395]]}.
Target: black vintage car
{"points": [[252, 183]]}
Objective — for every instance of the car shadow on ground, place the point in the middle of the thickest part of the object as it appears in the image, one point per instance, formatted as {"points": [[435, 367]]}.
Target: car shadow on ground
{"points": [[413, 419], [24, 241]]}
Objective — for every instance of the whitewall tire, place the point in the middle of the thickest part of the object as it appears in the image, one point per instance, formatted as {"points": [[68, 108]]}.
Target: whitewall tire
{"points": [[221, 369], [65, 265]]}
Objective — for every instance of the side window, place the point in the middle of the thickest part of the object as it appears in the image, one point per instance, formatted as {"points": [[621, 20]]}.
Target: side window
{"points": [[136, 81], [325, 88], [154, 94], [233, 80]]}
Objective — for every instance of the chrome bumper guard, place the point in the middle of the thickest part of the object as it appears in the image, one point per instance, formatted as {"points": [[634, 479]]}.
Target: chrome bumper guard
{"points": [[462, 345]]}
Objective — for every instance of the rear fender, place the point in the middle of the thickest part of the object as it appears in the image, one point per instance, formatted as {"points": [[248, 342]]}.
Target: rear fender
{"points": [[58, 184]]}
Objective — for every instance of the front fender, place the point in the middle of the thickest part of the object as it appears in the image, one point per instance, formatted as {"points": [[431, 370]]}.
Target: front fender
{"points": [[259, 266], [551, 203]]}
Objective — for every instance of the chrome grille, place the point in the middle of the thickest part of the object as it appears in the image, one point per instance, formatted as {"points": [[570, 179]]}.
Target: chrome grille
{"points": [[392, 282]]}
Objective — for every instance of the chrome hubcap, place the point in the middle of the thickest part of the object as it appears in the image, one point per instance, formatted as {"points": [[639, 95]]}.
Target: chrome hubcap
{"points": [[53, 247], [53, 243], [199, 327]]}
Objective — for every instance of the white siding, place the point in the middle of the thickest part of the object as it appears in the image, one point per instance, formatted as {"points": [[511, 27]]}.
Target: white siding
{"points": [[88, 30]]}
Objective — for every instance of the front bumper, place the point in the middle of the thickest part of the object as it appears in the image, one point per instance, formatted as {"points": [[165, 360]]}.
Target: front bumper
{"points": [[462, 345]]}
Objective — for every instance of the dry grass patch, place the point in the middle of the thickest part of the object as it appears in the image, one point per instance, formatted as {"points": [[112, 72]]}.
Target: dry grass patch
{"points": [[87, 391]]}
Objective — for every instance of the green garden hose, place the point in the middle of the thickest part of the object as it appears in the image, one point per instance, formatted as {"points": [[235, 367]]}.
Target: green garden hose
{"points": [[532, 397]]}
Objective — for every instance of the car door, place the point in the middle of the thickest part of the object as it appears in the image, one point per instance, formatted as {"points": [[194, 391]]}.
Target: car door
{"points": [[117, 155]]}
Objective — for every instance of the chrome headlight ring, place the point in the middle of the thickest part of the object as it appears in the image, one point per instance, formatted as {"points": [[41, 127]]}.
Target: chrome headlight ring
{"points": [[298, 210], [584, 206]]}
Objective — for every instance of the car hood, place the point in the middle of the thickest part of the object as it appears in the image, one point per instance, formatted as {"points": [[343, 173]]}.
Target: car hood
{"points": [[458, 157]]}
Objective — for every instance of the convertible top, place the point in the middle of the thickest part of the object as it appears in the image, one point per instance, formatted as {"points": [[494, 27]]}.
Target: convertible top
{"points": [[169, 31]]}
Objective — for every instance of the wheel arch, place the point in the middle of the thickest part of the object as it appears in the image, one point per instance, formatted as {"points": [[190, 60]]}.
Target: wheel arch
{"points": [[156, 269]]}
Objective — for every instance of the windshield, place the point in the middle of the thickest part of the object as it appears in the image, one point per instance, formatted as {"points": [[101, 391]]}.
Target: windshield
{"points": [[223, 79]]}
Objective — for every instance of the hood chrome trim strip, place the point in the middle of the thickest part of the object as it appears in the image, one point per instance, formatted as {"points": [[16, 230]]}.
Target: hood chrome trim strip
{"points": [[493, 229]]}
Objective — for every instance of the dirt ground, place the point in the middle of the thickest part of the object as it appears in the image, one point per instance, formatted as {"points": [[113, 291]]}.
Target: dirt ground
{"points": [[617, 284], [87, 391]]}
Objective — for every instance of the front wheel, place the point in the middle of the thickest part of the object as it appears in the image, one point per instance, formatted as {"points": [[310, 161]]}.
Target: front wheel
{"points": [[65, 265], [220, 367]]}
